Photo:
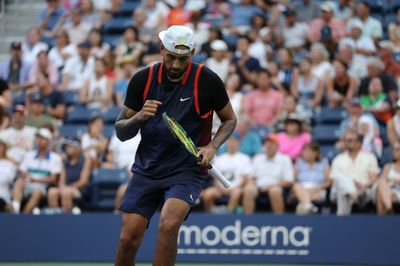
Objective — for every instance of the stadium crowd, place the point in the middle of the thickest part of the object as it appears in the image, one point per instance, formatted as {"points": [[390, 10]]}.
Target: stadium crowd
{"points": [[314, 85]]}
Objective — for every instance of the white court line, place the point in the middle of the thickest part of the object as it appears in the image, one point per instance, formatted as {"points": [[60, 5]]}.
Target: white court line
{"points": [[225, 251]]}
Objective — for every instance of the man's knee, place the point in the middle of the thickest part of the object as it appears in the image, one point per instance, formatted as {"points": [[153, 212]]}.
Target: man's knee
{"points": [[169, 226], [37, 194], [53, 192]]}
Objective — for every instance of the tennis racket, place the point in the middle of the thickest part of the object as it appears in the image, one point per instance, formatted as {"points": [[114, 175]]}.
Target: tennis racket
{"points": [[186, 142]]}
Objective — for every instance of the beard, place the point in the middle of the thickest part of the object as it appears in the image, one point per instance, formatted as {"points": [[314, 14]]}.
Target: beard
{"points": [[175, 74]]}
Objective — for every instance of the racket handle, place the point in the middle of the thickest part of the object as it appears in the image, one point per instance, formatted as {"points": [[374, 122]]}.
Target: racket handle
{"points": [[214, 172]]}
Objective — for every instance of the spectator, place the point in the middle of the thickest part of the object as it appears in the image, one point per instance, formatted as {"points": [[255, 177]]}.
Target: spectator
{"points": [[50, 16], [321, 67], [94, 144], [241, 16], [346, 53], [291, 107], [344, 9], [294, 138], [77, 29], [200, 29], [354, 172], [43, 66], [377, 101], [250, 142], [178, 15], [307, 87], [342, 87], [15, 69], [386, 55], [235, 166], [39, 169], [388, 190], [312, 179], [73, 181], [393, 126], [37, 116], [394, 32], [294, 33], [364, 124], [364, 46], [218, 9], [245, 64], [127, 65], [89, 15], [219, 62], [371, 26], [78, 68], [235, 94], [264, 104], [53, 100], [156, 13], [63, 50], [375, 69], [327, 29], [306, 10], [32, 46], [98, 47], [130, 45], [288, 72], [119, 153], [19, 137], [8, 172], [273, 174], [276, 76], [260, 48], [97, 91], [215, 33], [109, 65]]}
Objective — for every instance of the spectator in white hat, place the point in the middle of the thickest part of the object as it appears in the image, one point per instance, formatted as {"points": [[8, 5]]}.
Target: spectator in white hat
{"points": [[218, 62], [39, 168]]}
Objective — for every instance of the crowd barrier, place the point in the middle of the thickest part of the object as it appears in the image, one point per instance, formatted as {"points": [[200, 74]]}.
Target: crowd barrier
{"points": [[259, 238]]}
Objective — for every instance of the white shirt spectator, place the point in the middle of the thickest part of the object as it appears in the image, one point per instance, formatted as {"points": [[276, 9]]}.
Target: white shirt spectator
{"points": [[29, 53], [270, 172], [19, 141], [102, 5], [324, 68], [220, 68], [260, 51], [200, 34], [371, 27], [87, 142], [124, 151], [234, 166], [8, 171], [156, 15], [357, 170], [40, 168], [77, 34], [78, 72], [295, 36], [56, 56], [364, 42]]}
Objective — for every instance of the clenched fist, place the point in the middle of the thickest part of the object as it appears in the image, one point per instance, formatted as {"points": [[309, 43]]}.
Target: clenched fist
{"points": [[149, 109]]}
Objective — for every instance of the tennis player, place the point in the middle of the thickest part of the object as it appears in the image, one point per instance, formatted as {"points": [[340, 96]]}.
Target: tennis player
{"points": [[164, 173]]}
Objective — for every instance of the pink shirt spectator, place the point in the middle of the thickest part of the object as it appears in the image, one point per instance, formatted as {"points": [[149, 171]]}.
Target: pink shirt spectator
{"points": [[338, 29], [51, 71], [263, 107], [293, 146]]}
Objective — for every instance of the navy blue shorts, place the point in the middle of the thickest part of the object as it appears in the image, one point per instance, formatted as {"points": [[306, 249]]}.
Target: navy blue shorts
{"points": [[144, 195]]}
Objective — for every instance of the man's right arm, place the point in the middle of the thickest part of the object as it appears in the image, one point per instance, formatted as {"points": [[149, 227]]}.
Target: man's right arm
{"points": [[129, 121]]}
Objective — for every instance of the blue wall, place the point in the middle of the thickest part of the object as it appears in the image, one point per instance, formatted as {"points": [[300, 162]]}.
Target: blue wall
{"points": [[209, 238]]}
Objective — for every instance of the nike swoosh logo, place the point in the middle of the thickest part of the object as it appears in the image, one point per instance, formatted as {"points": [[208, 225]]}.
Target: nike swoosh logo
{"points": [[184, 99], [191, 197]]}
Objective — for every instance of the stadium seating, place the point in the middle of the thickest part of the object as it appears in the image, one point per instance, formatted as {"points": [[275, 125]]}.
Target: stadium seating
{"points": [[126, 9], [73, 130], [116, 26], [325, 134], [71, 98], [111, 115], [330, 115], [81, 114], [105, 183]]}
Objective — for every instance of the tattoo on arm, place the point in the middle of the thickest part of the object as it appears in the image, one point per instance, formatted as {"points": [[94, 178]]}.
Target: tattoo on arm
{"points": [[127, 124], [223, 133]]}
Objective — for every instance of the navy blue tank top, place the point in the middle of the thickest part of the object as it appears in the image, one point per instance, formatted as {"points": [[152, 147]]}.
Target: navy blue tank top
{"points": [[159, 154]]}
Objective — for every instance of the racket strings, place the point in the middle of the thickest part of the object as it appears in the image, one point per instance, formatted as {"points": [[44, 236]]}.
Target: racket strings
{"points": [[182, 136]]}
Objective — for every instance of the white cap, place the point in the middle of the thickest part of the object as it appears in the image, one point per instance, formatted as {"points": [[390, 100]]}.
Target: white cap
{"points": [[176, 36], [387, 45], [356, 24], [326, 6], [219, 45], [45, 133]]}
